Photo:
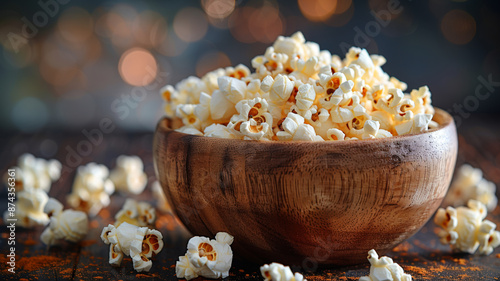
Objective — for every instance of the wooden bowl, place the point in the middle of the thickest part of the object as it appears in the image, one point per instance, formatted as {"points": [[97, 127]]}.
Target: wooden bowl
{"points": [[307, 203]]}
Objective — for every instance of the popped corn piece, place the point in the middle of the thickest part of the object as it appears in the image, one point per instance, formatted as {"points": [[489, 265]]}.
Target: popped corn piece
{"points": [[172, 98], [422, 100], [210, 80], [415, 125], [161, 199], [207, 258], [29, 209], [253, 119], [91, 189], [128, 176], [238, 72], [335, 134], [385, 120], [223, 101], [402, 111], [303, 70], [291, 46], [305, 97], [140, 243], [470, 184], [384, 269], [136, 213], [35, 173], [390, 103], [189, 130], [465, 229], [69, 225], [278, 272], [295, 129], [184, 269], [280, 88], [190, 89], [186, 113], [220, 131]]}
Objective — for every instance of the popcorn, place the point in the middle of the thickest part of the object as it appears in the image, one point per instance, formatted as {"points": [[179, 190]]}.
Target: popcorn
{"points": [[415, 125], [384, 268], [253, 120], [295, 76], [465, 229], [231, 91], [128, 175], [140, 243], [91, 189], [29, 209], [69, 224], [35, 173], [295, 129], [207, 258], [220, 131], [279, 88], [136, 213], [189, 130], [470, 184], [278, 272], [303, 70]]}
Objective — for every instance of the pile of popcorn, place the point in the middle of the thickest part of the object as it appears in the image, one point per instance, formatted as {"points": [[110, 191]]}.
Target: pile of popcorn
{"points": [[298, 92]]}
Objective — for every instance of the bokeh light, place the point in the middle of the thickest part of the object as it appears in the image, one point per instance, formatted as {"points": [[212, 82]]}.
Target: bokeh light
{"points": [[218, 9], [190, 24], [75, 25], [264, 24], [211, 61], [150, 28], [318, 10], [343, 14], [137, 67], [458, 27], [172, 45]]}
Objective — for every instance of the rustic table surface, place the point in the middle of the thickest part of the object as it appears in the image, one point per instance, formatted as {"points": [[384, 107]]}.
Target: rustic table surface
{"points": [[422, 255]]}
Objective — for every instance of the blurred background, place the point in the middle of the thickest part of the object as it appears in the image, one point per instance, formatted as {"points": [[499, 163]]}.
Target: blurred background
{"points": [[67, 64]]}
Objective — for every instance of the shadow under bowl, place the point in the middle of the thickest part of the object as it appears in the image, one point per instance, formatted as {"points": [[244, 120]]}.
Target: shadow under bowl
{"points": [[307, 202]]}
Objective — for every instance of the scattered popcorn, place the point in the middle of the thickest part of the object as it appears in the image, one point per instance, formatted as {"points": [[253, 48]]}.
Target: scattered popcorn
{"points": [[29, 208], [161, 199], [335, 97], [69, 224], [465, 229], [136, 213], [470, 184], [207, 258], [91, 189], [36, 173], [140, 243], [278, 272], [384, 269], [128, 176]]}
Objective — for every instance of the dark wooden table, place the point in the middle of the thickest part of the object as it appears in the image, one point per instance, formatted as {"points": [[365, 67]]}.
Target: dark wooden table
{"points": [[422, 255]]}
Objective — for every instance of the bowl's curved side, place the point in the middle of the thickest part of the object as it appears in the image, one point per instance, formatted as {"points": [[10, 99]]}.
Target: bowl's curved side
{"points": [[307, 202]]}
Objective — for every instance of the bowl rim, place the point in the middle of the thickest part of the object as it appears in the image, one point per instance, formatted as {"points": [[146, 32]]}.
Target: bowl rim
{"points": [[445, 118]]}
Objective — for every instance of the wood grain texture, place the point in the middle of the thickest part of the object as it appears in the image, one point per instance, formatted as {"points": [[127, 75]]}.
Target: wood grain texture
{"points": [[307, 202]]}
